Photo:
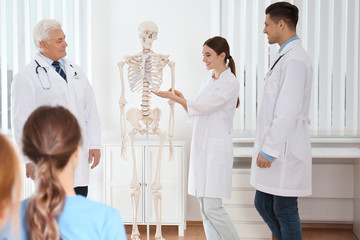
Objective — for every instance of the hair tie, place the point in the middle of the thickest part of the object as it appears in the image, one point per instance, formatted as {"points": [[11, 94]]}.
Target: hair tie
{"points": [[230, 57], [45, 155]]}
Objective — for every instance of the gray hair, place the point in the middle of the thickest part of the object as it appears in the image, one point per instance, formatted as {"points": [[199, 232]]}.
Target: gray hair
{"points": [[41, 31]]}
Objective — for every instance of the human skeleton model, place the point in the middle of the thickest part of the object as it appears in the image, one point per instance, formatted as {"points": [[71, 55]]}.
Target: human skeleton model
{"points": [[145, 75]]}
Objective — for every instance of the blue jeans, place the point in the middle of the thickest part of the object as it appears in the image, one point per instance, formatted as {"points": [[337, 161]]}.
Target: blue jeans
{"points": [[280, 214]]}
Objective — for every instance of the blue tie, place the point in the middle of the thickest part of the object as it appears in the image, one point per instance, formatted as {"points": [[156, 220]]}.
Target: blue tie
{"points": [[58, 69]]}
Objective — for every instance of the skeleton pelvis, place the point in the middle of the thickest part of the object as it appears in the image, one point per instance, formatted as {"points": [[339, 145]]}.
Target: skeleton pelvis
{"points": [[140, 122]]}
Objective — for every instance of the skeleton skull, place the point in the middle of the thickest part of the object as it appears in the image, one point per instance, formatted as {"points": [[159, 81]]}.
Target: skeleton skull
{"points": [[148, 33]]}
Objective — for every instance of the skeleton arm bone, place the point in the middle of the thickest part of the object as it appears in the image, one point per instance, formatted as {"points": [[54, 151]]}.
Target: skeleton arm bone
{"points": [[122, 103], [172, 117]]}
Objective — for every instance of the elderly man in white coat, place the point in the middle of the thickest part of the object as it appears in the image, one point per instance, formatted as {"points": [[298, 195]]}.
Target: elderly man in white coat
{"points": [[50, 79], [281, 163]]}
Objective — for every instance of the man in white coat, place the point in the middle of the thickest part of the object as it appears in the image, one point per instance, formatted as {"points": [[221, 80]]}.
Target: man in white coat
{"points": [[281, 163], [50, 79]]}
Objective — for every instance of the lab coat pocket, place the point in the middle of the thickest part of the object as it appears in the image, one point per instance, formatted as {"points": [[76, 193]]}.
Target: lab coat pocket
{"points": [[80, 94], [216, 150], [217, 170], [285, 149], [271, 84]]}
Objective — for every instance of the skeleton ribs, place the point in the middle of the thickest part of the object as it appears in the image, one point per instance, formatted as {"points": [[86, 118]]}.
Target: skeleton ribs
{"points": [[145, 74], [145, 71]]}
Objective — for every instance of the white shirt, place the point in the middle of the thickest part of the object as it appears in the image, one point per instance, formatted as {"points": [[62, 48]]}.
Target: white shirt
{"points": [[211, 157]]}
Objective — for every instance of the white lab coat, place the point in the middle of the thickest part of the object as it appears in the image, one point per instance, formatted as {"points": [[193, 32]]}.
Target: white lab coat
{"points": [[283, 126], [77, 95], [211, 156]]}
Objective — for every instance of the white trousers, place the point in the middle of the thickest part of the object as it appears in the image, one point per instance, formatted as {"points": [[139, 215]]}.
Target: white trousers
{"points": [[217, 223]]}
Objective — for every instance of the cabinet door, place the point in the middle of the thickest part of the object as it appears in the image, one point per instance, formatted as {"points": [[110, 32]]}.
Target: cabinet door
{"points": [[171, 178], [118, 176]]}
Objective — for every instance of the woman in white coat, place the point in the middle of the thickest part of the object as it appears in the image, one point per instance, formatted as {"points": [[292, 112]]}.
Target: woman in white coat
{"points": [[211, 157]]}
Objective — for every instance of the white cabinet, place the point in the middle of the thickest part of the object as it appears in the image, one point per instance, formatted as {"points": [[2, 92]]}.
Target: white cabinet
{"points": [[335, 187], [240, 207], [118, 175]]}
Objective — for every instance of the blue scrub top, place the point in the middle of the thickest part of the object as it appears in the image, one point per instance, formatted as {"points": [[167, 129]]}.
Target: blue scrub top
{"points": [[82, 218]]}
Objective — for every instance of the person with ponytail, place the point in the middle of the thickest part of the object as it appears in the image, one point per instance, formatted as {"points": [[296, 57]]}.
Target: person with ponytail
{"points": [[10, 190], [211, 156], [52, 140]]}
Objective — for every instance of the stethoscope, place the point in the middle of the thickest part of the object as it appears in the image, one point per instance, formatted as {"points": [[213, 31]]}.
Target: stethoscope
{"points": [[270, 71], [268, 74], [47, 87]]}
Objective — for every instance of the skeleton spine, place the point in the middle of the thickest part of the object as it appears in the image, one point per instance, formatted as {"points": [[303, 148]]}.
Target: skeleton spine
{"points": [[145, 100]]}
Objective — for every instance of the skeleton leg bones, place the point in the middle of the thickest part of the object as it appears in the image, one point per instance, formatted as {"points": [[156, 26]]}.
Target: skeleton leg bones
{"points": [[134, 188], [156, 187]]}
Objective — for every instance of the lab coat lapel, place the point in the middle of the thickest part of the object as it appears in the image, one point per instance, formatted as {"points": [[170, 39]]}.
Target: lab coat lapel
{"points": [[42, 62], [210, 86], [286, 49], [51, 71], [290, 46], [70, 71]]}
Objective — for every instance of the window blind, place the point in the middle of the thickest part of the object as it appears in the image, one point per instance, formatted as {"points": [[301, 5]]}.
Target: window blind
{"points": [[329, 31], [17, 20]]}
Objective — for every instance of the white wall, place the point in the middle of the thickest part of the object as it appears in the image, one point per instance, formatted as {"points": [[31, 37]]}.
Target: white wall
{"points": [[183, 28]]}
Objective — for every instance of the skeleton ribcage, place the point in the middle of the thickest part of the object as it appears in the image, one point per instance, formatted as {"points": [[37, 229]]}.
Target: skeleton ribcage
{"points": [[147, 71], [145, 75]]}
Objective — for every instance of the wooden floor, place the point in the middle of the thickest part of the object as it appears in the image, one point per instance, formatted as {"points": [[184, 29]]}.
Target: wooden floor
{"points": [[171, 232], [196, 232]]}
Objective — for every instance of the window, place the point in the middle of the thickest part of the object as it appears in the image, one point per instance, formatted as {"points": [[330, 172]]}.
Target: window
{"points": [[329, 30], [17, 20]]}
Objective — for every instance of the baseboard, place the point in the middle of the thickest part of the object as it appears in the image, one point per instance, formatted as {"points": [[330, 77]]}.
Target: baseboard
{"points": [[336, 226], [194, 223]]}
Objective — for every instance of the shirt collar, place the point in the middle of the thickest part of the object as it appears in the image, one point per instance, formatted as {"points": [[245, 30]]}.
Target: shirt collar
{"points": [[224, 72], [49, 61], [288, 41]]}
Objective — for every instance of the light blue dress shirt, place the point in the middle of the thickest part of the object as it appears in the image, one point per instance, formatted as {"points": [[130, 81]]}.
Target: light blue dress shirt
{"points": [[49, 61], [288, 41]]}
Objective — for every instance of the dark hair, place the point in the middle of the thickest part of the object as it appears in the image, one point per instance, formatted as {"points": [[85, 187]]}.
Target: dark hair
{"points": [[220, 45], [50, 136], [283, 11]]}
